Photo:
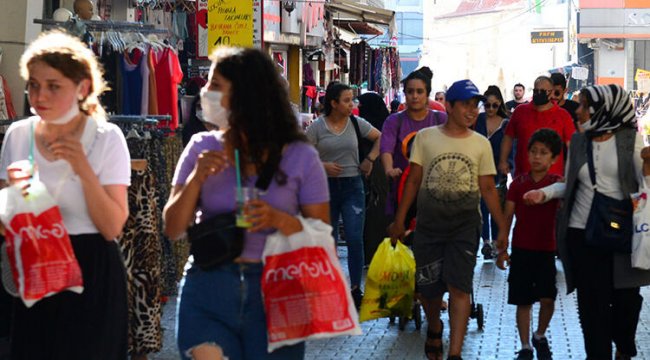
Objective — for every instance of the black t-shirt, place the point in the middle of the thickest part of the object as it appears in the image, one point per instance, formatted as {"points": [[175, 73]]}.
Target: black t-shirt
{"points": [[511, 105], [571, 106]]}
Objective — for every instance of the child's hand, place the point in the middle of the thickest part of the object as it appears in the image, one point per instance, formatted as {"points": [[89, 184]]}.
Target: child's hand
{"points": [[534, 197], [503, 260]]}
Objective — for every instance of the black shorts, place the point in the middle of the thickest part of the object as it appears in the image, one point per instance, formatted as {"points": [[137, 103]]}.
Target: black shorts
{"points": [[532, 276]]}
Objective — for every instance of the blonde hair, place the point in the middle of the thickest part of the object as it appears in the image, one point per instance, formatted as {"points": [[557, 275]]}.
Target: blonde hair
{"points": [[74, 60]]}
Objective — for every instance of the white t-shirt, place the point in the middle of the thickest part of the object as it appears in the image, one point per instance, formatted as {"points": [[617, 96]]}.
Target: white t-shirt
{"points": [[107, 153]]}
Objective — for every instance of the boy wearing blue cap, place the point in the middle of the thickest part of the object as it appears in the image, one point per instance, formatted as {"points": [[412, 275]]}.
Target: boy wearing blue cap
{"points": [[451, 169]]}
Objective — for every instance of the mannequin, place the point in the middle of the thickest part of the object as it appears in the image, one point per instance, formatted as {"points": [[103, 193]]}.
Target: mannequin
{"points": [[84, 9]]}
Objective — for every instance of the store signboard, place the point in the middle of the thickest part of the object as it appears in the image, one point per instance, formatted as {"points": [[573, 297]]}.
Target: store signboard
{"points": [[546, 37], [228, 22], [641, 75]]}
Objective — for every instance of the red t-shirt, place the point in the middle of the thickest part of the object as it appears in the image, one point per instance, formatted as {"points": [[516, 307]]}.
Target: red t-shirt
{"points": [[535, 226], [433, 105], [526, 120]]}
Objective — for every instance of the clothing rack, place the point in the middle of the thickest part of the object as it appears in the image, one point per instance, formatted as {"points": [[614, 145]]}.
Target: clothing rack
{"points": [[146, 119], [108, 25]]}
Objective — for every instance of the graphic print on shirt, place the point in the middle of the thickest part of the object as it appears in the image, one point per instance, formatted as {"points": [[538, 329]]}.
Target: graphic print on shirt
{"points": [[450, 179]]}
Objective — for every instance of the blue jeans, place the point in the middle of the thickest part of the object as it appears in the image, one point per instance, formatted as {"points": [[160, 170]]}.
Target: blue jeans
{"points": [[489, 229], [347, 199], [224, 307]]}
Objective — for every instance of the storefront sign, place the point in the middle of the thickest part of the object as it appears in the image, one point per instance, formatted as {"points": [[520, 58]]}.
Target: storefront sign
{"points": [[546, 37], [579, 73], [233, 23], [642, 75]]}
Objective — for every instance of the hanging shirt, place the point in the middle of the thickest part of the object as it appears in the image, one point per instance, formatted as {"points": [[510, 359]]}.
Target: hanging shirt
{"points": [[168, 76], [130, 67]]}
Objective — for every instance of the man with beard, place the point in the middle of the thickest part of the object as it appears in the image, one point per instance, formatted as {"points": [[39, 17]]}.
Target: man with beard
{"points": [[541, 113], [518, 92]]}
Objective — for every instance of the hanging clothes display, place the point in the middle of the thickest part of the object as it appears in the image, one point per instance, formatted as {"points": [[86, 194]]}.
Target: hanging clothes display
{"points": [[168, 76], [132, 82], [142, 252], [6, 105], [379, 67]]}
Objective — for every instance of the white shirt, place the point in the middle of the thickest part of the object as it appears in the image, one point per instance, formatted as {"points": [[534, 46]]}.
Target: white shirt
{"points": [[607, 180], [107, 153]]}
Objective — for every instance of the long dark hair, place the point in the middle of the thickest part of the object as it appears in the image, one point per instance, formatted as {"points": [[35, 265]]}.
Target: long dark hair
{"points": [[261, 118], [333, 93], [496, 92]]}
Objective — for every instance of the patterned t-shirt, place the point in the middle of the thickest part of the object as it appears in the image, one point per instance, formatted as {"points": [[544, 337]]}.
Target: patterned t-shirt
{"points": [[448, 200]]}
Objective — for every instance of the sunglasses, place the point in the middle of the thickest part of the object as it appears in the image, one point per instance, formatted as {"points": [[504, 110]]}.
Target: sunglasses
{"points": [[492, 105]]}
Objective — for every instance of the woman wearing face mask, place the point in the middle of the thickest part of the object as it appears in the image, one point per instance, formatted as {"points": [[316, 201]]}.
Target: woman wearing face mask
{"points": [[220, 311], [492, 124], [608, 287], [335, 138], [84, 163]]}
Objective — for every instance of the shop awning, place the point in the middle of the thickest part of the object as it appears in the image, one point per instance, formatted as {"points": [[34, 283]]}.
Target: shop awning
{"points": [[350, 11]]}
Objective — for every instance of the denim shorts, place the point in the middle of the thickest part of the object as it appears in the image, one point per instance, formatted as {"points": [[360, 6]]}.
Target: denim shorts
{"points": [[224, 307]]}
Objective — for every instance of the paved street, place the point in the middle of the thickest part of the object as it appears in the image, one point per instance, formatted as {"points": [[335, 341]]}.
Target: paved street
{"points": [[498, 340]]}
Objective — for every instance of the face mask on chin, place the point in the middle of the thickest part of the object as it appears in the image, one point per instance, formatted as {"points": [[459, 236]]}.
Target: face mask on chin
{"points": [[65, 118], [213, 112], [540, 99]]}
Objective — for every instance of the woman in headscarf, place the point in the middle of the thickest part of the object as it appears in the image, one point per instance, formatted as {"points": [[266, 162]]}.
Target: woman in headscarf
{"points": [[608, 287]]}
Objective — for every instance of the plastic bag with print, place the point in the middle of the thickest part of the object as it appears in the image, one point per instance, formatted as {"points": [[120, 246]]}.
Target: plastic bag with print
{"points": [[38, 247], [305, 292]]}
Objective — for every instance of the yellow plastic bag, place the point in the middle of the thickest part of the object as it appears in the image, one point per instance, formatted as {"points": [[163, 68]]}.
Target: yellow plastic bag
{"points": [[390, 283]]}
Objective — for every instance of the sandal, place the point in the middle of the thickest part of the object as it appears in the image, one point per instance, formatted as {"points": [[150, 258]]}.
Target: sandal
{"points": [[435, 350]]}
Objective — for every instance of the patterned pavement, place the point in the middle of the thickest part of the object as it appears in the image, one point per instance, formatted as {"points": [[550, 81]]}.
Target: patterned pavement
{"points": [[498, 339]]}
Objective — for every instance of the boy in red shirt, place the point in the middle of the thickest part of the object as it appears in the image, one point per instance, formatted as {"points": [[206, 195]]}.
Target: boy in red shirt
{"points": [[532, 261]]}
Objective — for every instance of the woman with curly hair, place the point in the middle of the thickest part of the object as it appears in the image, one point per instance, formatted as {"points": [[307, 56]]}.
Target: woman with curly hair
{"points": [[220, 310]]}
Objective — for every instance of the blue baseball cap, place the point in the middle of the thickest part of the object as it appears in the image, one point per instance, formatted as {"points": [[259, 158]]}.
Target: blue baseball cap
{"points": [[463, 90]]}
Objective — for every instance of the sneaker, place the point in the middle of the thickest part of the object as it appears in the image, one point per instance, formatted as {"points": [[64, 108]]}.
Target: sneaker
{"points": [[542, 349], [525, 354], [357, 296]]}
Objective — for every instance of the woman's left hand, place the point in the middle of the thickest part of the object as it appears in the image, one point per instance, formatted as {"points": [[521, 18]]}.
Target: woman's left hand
{"points": [[261, 215], [70, 150], [366, 167]]}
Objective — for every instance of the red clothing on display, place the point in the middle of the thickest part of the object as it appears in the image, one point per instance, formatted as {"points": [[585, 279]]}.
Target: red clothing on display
{"points": [[535, 226], [526, 120], [433, 105], [168, 76]]}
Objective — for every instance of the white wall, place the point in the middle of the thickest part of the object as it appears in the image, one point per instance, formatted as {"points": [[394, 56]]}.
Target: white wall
{"points": [[491, 48], [17, 29], [611, 63]]}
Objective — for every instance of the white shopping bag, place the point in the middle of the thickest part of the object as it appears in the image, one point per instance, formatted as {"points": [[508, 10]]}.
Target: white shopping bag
{"points": [[305, 292], [641, 236]]}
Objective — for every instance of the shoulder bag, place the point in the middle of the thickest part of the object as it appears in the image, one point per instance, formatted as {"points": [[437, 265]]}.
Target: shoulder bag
{"points": [[218, 240], [609, 225]]}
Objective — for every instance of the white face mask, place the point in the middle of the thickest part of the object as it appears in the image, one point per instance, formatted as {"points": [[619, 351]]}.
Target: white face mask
{"points": [[72, 112], [213, 112]]}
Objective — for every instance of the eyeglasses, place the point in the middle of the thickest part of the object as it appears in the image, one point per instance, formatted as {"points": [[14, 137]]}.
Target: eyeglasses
{"points": [[539, 91], [492, 105]]}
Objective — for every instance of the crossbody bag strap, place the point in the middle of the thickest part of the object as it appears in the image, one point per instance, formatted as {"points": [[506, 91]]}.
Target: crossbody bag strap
{"points": [[590, 163], [358, 132]]}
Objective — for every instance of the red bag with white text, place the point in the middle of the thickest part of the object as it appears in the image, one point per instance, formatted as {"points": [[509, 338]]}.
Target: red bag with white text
{"points": [[37, 245], [305, 292]]}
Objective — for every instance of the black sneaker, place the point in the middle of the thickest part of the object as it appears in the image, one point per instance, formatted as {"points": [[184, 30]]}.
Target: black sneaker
{"points": [[525, 354], [542, 349], [357, 296]]}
